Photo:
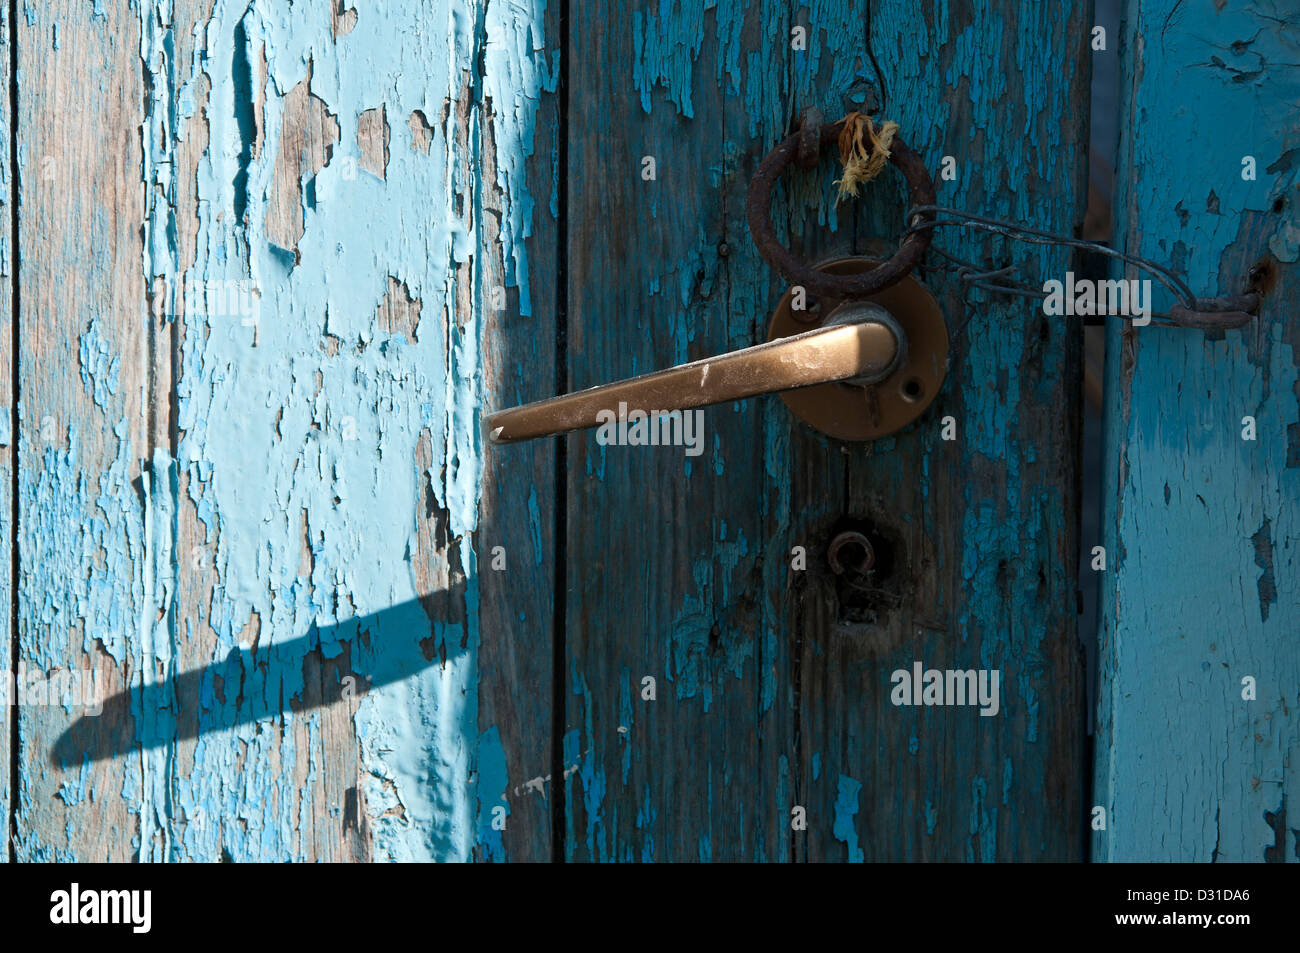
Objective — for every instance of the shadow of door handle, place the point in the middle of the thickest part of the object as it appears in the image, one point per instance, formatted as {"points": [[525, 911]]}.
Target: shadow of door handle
{"points": [[861, 344]]}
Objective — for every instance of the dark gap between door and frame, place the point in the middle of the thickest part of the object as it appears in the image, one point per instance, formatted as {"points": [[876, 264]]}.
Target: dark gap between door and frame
{"points": [[15, 259], [559, 622]]}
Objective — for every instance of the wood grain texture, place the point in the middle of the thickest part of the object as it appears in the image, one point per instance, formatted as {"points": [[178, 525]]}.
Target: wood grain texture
{"points": [[518, 162], [276, 259], [666, 551], [260, 299], [1201, 524], [7, 436], [768, 699], [87, 420], [981, 530]]}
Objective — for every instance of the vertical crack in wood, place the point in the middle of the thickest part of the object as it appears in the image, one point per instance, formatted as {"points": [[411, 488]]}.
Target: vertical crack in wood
{"points": [[559, 641], [14, 342]]}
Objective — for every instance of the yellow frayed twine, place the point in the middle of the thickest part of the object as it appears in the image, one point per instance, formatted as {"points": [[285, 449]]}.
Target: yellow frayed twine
{"points": [[864, 151]]}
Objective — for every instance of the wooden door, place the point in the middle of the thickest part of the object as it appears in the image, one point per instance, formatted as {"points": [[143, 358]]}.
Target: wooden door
{"points": [[269, 265], [772, 687]]}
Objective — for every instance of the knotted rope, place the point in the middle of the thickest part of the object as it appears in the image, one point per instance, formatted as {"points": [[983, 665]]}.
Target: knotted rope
{"points": [[864, 151]]}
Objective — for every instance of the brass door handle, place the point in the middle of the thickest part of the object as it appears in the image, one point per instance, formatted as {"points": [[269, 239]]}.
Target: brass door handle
{"points": [[861, 344]]}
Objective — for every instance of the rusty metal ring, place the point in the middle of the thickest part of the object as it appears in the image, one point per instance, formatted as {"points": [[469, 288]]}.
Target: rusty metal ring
{"points": [[758, 209]]}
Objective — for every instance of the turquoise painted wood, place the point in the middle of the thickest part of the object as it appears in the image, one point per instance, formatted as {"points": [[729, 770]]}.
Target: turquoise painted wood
{"points": [[7, 266], [985, 523], [279, 258], [273, 263], [1204, 589], [271, 277], [772, 735]]}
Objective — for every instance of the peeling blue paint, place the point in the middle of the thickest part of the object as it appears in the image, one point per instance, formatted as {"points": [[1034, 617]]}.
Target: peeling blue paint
{"points": [[492, 785], [301, 429], [1182, 605], [846, 809], [99, 369]]}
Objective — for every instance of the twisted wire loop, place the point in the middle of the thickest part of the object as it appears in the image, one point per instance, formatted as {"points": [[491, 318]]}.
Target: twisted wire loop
{"points": [[803, 148], [1231, 311]]}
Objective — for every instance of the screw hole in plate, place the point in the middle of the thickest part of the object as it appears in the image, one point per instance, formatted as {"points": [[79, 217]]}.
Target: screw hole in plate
{"points": [[912, 389]]}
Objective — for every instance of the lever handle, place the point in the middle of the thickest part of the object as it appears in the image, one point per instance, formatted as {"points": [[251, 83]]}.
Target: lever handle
{"points": [[862, 343]]}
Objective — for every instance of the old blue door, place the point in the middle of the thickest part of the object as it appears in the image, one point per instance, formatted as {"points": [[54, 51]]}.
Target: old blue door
{"points": [[269, 266], [773, 735]]}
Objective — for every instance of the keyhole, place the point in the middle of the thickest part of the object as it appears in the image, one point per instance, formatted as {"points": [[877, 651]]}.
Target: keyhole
{"points": [[862, 555], [851, 551]]}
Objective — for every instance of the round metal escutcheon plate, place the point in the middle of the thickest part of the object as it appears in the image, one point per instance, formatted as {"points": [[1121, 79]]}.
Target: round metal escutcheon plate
{"points": [[851, 412]]}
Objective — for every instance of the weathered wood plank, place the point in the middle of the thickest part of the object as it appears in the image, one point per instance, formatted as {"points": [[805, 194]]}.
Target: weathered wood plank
{"points": [[668, 555], [387, 522], [85, 350], [980, 530], [518, 161], [7, 438], [1204, 587], [776, 701], [297, 353]]}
